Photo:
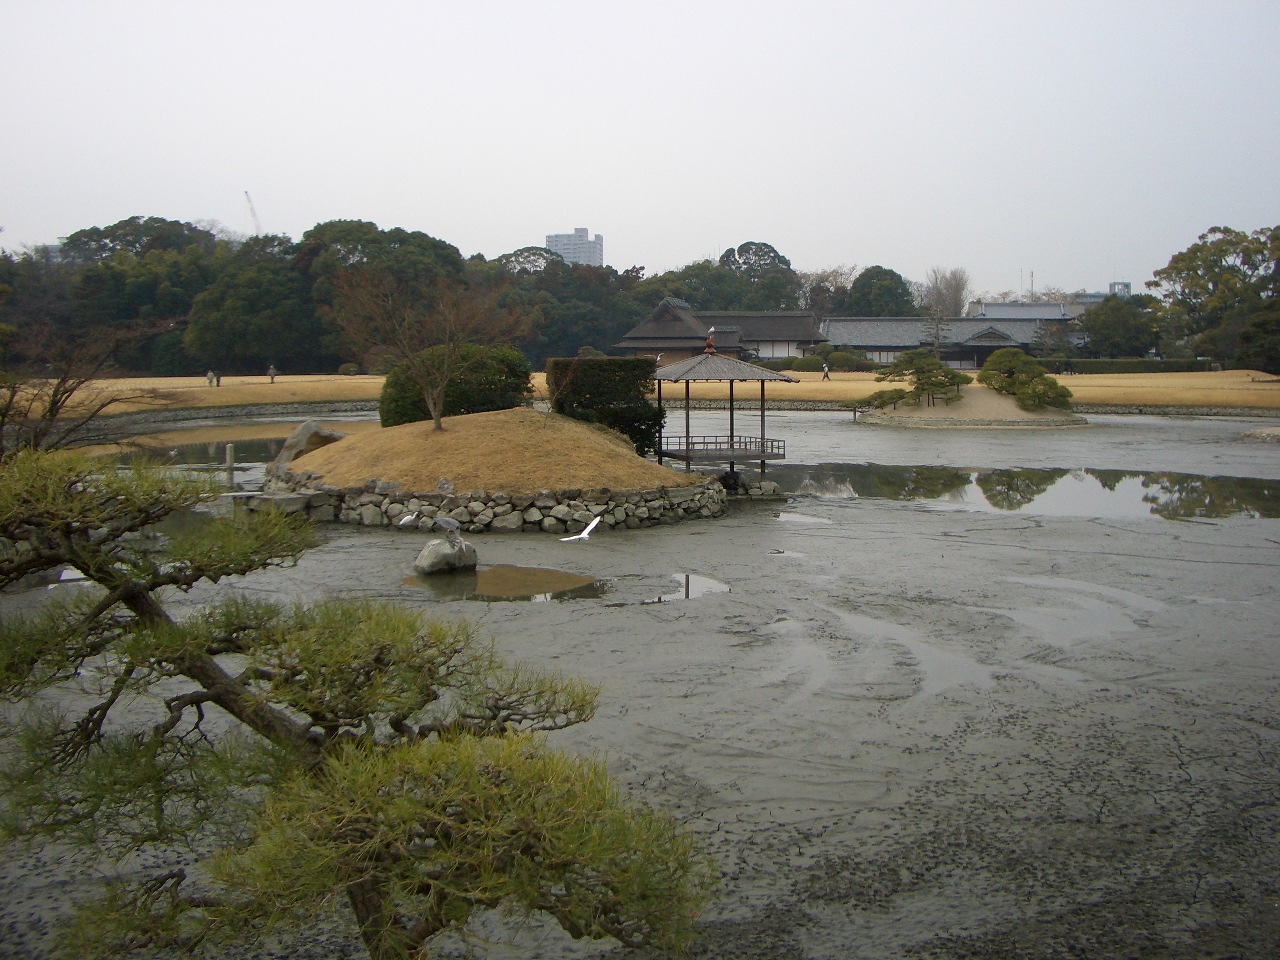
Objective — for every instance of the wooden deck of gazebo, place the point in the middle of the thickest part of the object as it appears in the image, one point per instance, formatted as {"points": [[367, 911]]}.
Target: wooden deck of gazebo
{"points": [[725, 448]]}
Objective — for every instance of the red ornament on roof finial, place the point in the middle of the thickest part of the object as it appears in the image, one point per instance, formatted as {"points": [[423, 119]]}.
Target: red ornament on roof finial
{"points": [[711, 341]]}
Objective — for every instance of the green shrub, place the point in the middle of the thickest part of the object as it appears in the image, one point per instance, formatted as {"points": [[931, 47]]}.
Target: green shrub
{"points": [[611, 391], [1042, 392], [490, 378], [348, 370], [844, 362], [1073, 365], [888, 398], [810, 364], [1023, 377]]}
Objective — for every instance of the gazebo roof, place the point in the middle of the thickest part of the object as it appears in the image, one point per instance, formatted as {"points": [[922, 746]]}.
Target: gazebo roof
{"points": [[714, 366]]}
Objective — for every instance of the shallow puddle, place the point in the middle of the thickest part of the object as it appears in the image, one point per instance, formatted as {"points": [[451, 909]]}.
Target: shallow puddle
{"points": [[500, 581], [691, 585]]}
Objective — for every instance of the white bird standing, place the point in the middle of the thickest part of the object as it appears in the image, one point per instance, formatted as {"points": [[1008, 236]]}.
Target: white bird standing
{"points": [[407, 520], [585, 534]]}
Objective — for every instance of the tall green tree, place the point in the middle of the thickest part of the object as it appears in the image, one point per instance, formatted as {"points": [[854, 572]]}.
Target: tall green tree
{"points": [[259, 311], [1120, 327], [1260, 339], [879, 292], [704, 283], [136, 236], [345, 749], [771, 282], [1211, 289]]}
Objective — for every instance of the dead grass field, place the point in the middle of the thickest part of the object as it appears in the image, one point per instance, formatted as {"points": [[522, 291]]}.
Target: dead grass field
{"points": [[1227, 389]]}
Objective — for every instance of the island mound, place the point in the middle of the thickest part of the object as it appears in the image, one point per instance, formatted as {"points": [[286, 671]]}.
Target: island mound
{"points": [[978, 406], [514, 451]]}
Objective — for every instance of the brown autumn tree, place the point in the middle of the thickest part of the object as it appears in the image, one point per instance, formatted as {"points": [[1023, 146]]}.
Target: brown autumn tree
{"points": [[425, 330]]}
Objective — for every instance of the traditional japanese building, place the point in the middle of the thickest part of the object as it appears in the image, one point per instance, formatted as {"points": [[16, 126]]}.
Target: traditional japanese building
{"points": [[675, 331]]}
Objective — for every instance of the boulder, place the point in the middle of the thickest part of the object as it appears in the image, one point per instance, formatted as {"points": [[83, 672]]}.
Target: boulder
{"points": [[445, 556], [310, 436]]}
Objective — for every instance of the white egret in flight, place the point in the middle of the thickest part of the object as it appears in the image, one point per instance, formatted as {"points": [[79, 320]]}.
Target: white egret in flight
{"points": [[585, 534]]}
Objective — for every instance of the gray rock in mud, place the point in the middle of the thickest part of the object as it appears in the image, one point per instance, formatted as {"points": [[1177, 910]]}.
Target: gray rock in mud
{"points": [[445, 556]]}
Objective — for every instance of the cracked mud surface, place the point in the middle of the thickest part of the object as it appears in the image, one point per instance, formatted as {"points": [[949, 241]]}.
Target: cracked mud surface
{"points": [[907, 733]]}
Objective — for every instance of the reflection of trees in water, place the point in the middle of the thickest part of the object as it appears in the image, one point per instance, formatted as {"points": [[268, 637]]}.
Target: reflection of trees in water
{"points": [[1176, 496], [1110, 479], [1014, 489], [1169, 495], [877, 481]]}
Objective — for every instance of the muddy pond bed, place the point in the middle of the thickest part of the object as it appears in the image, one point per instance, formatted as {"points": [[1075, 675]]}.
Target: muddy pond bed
{"points": [[907, 726]]}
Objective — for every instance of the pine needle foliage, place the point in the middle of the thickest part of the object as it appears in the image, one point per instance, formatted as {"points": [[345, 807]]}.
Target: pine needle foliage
{"points": [[300, 756]]}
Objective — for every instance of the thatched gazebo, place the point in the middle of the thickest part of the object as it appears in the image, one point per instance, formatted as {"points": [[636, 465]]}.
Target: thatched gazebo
{"points": [[730, 448]]}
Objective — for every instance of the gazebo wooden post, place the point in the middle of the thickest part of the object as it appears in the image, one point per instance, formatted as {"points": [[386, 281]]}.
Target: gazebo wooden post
{"points": [[731, 425], [661, 421], [762, 429], [688, 448]]}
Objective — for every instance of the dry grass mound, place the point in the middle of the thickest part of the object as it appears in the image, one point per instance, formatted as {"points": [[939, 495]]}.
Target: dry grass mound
{"points": [[514, 451]]}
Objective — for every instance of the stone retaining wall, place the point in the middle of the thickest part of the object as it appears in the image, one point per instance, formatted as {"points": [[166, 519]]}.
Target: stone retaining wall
{"points": [[380, 504]]}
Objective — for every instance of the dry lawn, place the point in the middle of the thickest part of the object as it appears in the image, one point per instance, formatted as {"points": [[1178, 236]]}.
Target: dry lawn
{"points": [[516, 451], [1229, 388], [145, 393]]}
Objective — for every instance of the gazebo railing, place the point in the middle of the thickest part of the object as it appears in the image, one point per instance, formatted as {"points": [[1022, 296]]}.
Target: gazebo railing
{"points": [[745, 448]]}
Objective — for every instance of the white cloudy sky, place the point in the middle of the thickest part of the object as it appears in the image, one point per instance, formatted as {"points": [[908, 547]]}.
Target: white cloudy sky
{"points": [[1084, 141]]}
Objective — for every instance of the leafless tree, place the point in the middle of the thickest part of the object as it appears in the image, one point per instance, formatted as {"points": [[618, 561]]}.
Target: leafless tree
{"points": [[47, 396], [945, 293], [379, 314], [820, 289]]}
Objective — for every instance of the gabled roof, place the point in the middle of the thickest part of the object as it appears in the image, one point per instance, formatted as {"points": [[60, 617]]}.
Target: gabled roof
{"points": [[674, 320], [1021, 310], [716, 366], [986, 335], [909, 332], [756, 325]]}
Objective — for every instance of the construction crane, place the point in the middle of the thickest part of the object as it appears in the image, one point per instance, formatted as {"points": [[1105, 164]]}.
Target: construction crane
{"points": [[257, 227]]}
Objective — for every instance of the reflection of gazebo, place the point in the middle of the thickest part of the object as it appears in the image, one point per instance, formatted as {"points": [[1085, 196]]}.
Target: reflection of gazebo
{"points": [[710, 366]]}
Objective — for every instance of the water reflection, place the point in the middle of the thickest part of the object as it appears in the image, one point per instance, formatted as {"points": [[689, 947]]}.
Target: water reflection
{"points": [[691, 585], [1045, 492], [504, 581]]}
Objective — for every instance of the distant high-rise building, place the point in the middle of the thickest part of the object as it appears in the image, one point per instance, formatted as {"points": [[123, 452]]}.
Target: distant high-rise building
{"points": [[1121, 288], [578, 247]]}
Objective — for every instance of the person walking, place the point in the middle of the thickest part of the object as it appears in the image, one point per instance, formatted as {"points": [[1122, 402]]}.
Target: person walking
{"points": [[826, 372], [272, 372], [209, 377], [217, 378]]}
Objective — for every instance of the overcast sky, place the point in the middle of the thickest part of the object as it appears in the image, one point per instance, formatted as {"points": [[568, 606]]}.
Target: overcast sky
{"points": [[1083, 141]]}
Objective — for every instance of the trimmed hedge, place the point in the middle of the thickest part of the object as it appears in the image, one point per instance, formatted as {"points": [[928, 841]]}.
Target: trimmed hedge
{"points": [[1057, 365]]}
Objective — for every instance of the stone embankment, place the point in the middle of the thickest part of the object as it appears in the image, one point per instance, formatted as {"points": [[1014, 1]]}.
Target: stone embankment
{"points": [[380, 504]]}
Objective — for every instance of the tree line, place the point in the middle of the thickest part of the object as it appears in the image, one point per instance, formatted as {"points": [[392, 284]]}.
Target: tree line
{"points": [[172, 298]]}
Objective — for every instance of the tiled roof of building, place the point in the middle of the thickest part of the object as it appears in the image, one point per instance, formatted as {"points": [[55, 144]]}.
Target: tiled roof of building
{"points": [[903, 332], [716, 366]]}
